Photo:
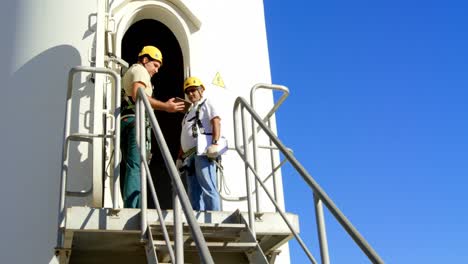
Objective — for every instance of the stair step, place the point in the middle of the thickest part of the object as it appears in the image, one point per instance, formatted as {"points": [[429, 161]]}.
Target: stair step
{"points": [[209, 230], [206, 226], [213, 246]]}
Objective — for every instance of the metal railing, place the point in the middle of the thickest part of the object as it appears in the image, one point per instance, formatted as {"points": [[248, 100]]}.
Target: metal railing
{"points": [[267, 120], [85, 137], [180, 196], [181, 200], [240, 122], [253, 138], [142, 106]]}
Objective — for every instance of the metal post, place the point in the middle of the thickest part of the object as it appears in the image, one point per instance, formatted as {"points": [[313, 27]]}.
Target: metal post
{"points": [[255, 162], [254, 89], [160, 214], [178, 230], [247, 173], [116, 178], [97, 158], [63, 179], [273, 159], [321, 230], [142, 147]]}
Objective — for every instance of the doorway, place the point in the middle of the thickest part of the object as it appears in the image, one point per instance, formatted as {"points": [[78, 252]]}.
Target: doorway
{"points": [[167, 84]]}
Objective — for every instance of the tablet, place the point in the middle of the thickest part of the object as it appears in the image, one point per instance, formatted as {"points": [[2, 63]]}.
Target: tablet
{"points": [[187, 104]]}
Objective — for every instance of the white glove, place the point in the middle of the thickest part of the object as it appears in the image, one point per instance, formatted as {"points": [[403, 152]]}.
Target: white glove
{"points": [[212, 152], [179, 164]]}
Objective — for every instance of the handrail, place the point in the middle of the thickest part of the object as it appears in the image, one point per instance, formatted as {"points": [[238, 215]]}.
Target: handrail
{"points": [[250, 168], [177, 182], [160, 214], [275, 107], [339, 216], [280, 101], [66, 134], [145, 229]]}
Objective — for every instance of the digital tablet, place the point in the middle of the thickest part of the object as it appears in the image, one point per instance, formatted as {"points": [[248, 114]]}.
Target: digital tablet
{"points": [[187, 103]]}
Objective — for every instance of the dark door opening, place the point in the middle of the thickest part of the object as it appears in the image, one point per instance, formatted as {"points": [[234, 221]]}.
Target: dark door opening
{"points": [[167, 84]]}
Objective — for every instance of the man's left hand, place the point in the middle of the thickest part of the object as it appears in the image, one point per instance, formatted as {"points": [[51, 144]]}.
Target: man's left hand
{"points": [[212, 152]]}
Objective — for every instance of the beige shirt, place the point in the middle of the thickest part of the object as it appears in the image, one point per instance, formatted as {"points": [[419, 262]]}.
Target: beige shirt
{"points": [[137, 73]]}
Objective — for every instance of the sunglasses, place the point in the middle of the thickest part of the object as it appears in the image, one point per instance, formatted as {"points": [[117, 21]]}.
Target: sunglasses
{"points": [[188, 91]]}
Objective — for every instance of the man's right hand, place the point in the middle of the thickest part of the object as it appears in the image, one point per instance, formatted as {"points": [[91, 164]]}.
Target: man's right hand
{"points": [[173, 107], [180, 165]]}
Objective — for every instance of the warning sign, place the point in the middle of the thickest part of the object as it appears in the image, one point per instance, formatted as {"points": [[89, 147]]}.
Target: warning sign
{"points": [[218, 80]]}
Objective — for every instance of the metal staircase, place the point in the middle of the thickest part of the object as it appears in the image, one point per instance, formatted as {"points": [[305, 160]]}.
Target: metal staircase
{"points": [[229, 241], [100, 235], [104, 235]]}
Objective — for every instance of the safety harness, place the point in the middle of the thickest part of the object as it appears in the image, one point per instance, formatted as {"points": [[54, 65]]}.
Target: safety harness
{"points": [[219, 167], [127, 105], [128, 110], [196, 124]]}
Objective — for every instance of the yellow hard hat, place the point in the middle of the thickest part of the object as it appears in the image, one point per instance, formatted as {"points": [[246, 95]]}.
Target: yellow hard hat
{"points": [[193, 81], [153, 52]]}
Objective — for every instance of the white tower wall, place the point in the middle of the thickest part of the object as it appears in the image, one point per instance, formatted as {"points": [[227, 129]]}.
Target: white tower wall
{"points": [[42, 40]]}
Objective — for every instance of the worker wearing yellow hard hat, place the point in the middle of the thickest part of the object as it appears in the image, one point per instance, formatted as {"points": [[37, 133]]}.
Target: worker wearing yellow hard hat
{"points": [[153, 52], [139, 75], [193, 82], [201, 145]]}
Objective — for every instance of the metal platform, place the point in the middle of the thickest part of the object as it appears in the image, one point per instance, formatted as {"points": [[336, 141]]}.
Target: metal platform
{"points": [[102, 235]]}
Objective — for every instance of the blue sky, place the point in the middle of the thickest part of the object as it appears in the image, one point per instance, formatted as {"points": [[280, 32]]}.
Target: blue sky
{"points": [[378, 108]]}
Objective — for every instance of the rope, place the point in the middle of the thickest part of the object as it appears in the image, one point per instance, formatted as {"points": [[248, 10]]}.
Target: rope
{"points": [[223, 185]]}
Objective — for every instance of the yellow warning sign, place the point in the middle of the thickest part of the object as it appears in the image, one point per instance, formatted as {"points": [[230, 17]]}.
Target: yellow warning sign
{"points": [[218, 80]]}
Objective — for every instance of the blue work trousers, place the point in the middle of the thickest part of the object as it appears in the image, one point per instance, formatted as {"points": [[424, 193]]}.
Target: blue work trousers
{"points": [[201, 183], [131, 161]]}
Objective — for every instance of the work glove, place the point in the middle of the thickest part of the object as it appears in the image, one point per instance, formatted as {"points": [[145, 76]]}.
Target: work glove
{"points": [[212, 152]]}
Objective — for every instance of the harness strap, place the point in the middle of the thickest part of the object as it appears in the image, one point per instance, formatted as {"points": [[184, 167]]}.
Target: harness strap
{"points": [[189, 152], [198, 122], [128, 106], [128, 110]]}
